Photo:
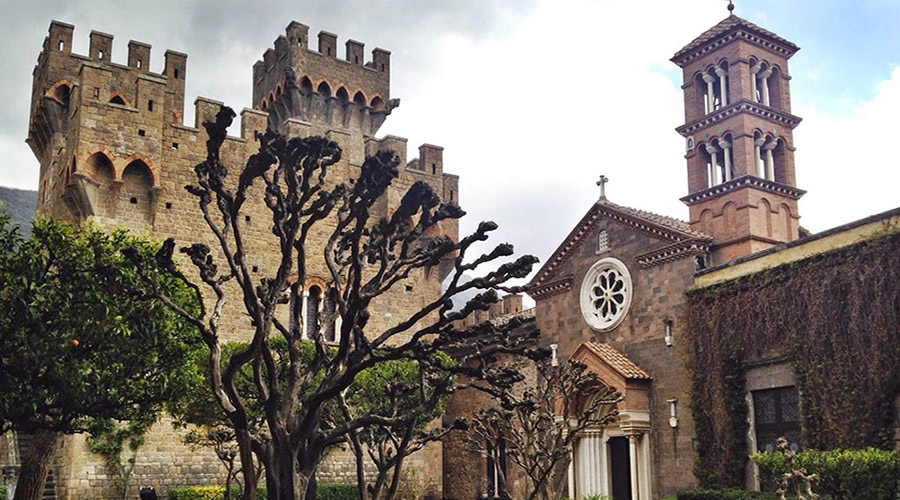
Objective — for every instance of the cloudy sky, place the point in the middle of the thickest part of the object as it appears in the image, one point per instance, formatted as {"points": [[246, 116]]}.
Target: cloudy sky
{"points": [[532, 99]]}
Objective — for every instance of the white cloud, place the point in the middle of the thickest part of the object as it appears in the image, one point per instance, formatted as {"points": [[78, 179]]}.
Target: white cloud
{"points": [[846, 161]]}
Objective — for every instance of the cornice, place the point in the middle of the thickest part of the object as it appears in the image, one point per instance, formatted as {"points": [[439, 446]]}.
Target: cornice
{"points": [[673, 252], [742, 106], [744, 181], [740, 33], [550, 289]]}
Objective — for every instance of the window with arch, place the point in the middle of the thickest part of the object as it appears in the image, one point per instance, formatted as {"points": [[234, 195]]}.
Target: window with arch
{"points": [[714, 84], [768, 153], [765, 83], [342, 95], [306, 85], [319, 314], [359, 98], [719, 159], [324, 89]]}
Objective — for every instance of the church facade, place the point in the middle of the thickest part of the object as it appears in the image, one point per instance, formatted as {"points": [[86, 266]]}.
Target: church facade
{"points": [[634, 295]]}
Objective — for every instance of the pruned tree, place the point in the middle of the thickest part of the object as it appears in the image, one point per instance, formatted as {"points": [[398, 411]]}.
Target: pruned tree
{"points": [[82, 340], [538, 421], [367, 257]]}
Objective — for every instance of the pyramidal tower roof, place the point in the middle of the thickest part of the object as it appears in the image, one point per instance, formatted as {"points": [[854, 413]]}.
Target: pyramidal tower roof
{"points": [[732, 28]]}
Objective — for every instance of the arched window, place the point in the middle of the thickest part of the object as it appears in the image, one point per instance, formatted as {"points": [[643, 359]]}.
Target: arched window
{"points": [[769, 156], [100, 168], [117, 99], [313, 300], [324, 89], [342, 95], [716, 83], [760, 82], [377, 104], [306, 85], [359, 98]]}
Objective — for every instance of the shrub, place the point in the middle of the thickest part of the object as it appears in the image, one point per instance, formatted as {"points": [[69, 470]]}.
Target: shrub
{"points": [[209, 493], [2, 491], [336, 491], [324, 491], [867, 473], [704, 494]]}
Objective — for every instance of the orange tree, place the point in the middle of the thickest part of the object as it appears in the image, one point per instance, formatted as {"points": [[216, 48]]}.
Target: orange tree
{"points": [[82, 341]]}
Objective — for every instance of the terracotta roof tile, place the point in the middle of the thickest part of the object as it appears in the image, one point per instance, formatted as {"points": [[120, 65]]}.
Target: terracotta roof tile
{"points": [[726, 25], [662, 220], [618, 361]]}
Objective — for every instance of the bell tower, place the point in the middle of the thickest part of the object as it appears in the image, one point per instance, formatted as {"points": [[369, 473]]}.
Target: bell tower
{"points": [[738, 134]]}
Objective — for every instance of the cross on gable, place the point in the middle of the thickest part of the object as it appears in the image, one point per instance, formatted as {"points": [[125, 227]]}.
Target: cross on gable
{"points": [[602, 183]]}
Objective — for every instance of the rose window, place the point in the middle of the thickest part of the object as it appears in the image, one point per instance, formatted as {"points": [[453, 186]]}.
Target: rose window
{"points": [[606, 294]]}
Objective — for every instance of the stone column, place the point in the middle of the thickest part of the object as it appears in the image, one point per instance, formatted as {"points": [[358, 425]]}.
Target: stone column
{"points": [[713, 164], [726, 154], [304, 333], [633, 459], [723, 85], [754, 70], [764, 78], [710, 94], [757, 156], [770, 161]]}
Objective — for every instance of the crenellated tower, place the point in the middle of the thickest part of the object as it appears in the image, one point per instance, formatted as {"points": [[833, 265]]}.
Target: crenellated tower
{"points": [[295, 82], [738, 134]]}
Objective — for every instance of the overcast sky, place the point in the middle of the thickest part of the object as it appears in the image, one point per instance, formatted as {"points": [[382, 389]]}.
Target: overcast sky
{"points": [[532, 99]]}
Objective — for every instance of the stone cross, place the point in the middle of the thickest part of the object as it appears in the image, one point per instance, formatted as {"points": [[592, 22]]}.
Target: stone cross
{"points": [[602, 183]]}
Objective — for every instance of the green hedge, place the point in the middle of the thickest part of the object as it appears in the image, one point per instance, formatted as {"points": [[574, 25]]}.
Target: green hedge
{"points": [[324, 491], [704, 494], [2, 492], [868, 473]]}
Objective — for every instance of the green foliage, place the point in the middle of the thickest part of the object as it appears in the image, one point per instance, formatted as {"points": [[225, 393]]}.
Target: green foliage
{"points": [[2, 491], [835, 315], [723, 494], [868, 473], [324, 491], [336, 491], [81, 338]]}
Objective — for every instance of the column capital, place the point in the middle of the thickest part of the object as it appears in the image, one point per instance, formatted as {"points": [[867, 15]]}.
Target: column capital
{"points": [[767, 73], [724, 144], [708, 78], [770, 145], [755, 69], [721, 71], [711, 148]]}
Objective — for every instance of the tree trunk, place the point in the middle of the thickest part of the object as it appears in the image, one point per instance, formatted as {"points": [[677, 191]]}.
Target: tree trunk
{"points": [[245, 449], [36, 464]]}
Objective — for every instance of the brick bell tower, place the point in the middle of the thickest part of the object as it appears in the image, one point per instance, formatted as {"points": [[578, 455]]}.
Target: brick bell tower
{"points": [[738, 133]]}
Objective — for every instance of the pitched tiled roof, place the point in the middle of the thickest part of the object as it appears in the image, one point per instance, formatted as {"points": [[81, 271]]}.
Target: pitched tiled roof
{"points": [[617, 361], [660, 226], [663, 220], [729, 23]]}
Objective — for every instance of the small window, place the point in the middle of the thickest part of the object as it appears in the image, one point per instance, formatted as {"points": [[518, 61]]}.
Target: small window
{"points": [[100, 54], [433, 168], [61, 45], [355, 59], [329, 51], [133, 200], [602, 242], [409, 288], [141, 132], [174, 145], [255, 269], [176, 73], [96, 92], [451, 195], [246, 218], [382, 67], [140, 63], [150, 105], [168, 205]]}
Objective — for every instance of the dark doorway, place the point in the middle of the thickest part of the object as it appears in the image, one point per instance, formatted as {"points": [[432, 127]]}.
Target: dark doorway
{"points": [[620, 468]]}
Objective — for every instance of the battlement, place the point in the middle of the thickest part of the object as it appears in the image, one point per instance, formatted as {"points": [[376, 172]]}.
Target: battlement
{"points": [[58, 66], [349, 80]]}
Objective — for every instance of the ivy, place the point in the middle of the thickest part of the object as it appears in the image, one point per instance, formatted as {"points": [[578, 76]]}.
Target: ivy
{"points": [[835, 315]]}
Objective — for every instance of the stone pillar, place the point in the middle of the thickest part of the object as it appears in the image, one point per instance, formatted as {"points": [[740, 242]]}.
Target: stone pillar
{"points": [[713, 151], [726, 154], [753, 76], [723, 85], [757, 157], [304, 334], [710, 94], [770, 161], [633, 459], [764, 78]]}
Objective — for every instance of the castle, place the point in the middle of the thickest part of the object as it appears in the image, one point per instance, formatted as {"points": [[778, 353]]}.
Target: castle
{"points": [[114, 148], [692, 321]]}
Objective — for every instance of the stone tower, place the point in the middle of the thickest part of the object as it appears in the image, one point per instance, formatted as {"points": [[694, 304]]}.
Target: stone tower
{"points": [[115, 148], [739, 138]]}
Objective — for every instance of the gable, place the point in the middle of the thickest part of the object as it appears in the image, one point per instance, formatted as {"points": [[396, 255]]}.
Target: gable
{"points": [[669, 239]]}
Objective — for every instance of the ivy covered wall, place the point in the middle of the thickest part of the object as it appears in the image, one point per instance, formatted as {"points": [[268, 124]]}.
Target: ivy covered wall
{"points": [[834, 316]]}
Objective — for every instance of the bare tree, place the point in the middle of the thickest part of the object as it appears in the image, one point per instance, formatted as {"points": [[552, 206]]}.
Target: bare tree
{"points": [[366, 257], [537, 422]]}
